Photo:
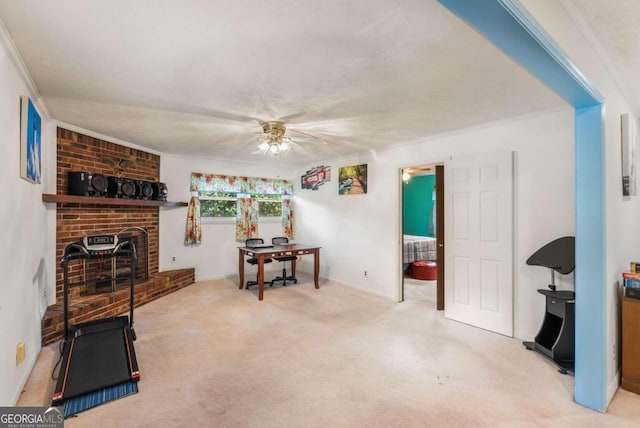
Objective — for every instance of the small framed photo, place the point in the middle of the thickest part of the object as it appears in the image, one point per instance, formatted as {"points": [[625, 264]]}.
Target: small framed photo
{"points": [[628, 145], [352, 180], [30, 140]]}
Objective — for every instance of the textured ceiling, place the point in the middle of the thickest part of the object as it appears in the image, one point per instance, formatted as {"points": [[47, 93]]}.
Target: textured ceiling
{"points": [[615, 26], [196, 77]]}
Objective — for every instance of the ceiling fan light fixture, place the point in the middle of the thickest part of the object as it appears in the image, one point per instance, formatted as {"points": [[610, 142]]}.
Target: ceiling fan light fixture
{"points": [[274, 142], [264, 146], [285, 145]]}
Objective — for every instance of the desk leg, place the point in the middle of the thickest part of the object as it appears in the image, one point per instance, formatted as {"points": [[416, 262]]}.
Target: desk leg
{"points": [[260, 277], [316, 267], [293, 267], [241, 268]]}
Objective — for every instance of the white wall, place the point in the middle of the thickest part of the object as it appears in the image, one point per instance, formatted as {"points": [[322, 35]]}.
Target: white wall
{"points": [[362, 232], [217, 256], [621, 213], [26, 265]]}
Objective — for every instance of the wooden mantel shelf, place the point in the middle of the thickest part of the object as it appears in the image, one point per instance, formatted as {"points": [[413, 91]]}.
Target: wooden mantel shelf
{"points": [[88, 200]]}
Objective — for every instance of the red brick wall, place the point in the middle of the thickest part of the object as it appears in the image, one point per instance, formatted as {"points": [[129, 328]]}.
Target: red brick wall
{"points": [[77, 152]]}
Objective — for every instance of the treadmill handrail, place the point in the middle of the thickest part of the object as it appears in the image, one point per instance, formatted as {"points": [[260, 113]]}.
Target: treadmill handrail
{"points": [[77, 251]]}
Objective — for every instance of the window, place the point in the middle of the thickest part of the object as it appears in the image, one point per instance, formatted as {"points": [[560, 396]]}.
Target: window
{"points": [[270, 206], [225, 205], [245, 201], [216, 204], [218, 194]]}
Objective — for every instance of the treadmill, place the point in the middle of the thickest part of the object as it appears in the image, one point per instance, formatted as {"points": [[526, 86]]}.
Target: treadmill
{"points": [[98, 358]]}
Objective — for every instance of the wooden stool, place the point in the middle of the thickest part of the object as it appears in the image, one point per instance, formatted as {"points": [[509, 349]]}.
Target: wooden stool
{"points": [[424, 269]]}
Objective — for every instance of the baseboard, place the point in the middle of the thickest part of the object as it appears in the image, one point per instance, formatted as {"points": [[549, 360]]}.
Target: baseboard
{"points": [[355, 287], [30, 364], [235, 277], [367, 290]]}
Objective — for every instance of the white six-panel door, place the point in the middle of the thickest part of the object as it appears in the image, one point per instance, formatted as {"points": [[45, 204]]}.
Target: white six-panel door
{"points": [[479, 241]]}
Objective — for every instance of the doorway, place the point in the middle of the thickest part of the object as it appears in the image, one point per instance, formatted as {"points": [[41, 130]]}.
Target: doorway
{"points": [[422, 234]]}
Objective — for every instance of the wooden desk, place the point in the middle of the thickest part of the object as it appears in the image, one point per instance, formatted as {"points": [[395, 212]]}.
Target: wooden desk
{"points": [[277, 251]]}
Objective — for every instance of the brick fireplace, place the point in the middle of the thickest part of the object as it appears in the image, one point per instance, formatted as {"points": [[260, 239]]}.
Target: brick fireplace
{"points": [[78, 152]]}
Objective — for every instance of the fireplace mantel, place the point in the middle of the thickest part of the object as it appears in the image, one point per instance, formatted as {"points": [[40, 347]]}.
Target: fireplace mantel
{"points": [[88, 200]]}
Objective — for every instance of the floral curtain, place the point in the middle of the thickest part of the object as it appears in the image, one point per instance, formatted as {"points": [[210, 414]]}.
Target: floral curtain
{"points": [[237, 184], [288, 229], [246, 218], [245, 187], [193, 233]]}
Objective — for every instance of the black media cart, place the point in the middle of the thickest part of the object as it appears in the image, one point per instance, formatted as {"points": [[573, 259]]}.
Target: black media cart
{"points": [[556, 338]]}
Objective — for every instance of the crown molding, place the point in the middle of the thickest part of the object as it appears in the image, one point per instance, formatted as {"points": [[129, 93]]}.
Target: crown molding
{"points": [[104, 137], [14, 56], [609, 64], [535, 30]]}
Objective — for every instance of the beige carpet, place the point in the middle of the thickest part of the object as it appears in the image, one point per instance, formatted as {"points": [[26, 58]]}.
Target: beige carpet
{"points": [[212, 355], [416, 289]]}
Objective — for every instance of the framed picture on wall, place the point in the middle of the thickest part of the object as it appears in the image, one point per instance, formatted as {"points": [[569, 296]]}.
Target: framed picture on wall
{"points": [[30, 140], [352, 180], [629, 162], [315, 177]]}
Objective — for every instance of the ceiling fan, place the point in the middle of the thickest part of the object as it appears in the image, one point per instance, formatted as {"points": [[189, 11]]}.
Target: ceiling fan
{"points": [[278, 135], [273, 140]]}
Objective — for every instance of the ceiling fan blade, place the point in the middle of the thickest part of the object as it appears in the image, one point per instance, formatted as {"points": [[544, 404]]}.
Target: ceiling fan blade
{"points": [[275, 116], [339, 139], [234, 139], [268, 108], [173, 106], [231, 116], [307, 135], [290, 117], [310, 142], [298, 148]]}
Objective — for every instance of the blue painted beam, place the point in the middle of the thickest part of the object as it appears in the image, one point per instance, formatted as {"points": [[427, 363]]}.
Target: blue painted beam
{"points": [[591, 350], [511, 29]]}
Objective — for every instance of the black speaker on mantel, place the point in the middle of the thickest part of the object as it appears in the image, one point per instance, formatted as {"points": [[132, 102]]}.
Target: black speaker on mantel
{"points": [[144, 190], [120, 187], [160, 191], [84, 183]]}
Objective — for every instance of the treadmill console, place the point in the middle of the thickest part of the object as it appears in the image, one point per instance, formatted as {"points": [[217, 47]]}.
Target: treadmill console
{"points": [[97, 244]]}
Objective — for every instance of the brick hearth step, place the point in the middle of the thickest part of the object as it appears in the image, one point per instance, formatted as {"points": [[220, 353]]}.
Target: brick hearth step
{"points": [[87, 308]]}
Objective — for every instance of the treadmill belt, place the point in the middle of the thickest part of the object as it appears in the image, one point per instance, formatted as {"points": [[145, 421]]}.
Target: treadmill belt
{"points": [[97, 361], [96, 398]]}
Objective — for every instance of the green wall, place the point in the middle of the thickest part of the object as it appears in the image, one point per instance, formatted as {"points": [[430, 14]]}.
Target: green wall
{"points": [[418, 203]]}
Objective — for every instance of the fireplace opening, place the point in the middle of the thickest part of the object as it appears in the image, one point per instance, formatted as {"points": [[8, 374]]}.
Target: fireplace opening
{"points": [[109, 274]]}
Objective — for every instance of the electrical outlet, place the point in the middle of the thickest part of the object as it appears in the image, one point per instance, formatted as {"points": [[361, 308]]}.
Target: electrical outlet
{"points": [[173, 259], [20, 351], [365, 273]]}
